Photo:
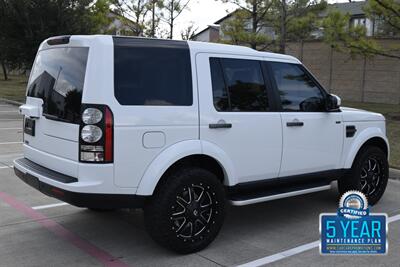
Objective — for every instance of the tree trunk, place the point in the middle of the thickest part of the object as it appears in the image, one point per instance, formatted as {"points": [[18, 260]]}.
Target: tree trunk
{"points": [[153, 19], [171, 22], [282, 40], [3, 66], [171, 29], [253, 43]]}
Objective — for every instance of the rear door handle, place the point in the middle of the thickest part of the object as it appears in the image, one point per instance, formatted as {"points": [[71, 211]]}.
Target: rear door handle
{"points": [[220, 125], [294, 124]]}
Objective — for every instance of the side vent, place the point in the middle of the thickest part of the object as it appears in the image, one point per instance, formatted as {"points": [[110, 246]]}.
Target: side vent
{"points": [[350, 131]]}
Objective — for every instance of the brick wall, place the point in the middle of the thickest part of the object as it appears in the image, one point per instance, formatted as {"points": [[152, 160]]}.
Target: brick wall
{"points": [[361, 79]]}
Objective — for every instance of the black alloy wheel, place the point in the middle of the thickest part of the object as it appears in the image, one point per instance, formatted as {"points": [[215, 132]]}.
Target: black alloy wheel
{"points": [[187, 210]]}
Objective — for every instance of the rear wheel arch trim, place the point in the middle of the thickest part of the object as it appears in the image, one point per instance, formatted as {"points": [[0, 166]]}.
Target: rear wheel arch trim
{"points": [[167, 158]]}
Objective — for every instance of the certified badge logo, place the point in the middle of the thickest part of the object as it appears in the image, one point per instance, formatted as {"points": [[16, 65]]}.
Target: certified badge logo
{"points": [[353, 229], [353, 205]]}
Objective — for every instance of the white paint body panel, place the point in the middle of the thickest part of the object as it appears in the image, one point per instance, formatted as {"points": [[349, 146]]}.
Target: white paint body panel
{"points": [[149, 139], [255, 140], [315, 146]]}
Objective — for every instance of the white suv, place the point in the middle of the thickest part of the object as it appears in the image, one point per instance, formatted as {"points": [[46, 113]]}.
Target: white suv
{"points": [[180, 127]]}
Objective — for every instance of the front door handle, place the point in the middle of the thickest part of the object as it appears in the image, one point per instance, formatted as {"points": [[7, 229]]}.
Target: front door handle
{"points": [[294, 124], [221, 124]]}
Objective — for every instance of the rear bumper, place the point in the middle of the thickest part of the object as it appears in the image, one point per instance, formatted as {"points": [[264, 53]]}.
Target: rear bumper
{"points": [[30, 173]]}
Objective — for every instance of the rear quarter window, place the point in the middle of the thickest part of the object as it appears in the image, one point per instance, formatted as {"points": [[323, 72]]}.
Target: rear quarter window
{"points": [[152, 72]]}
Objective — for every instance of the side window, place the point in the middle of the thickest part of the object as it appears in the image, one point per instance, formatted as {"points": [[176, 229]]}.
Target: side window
{"points": [[298, 92], [220, 94], [238, 85], [152, 76]]}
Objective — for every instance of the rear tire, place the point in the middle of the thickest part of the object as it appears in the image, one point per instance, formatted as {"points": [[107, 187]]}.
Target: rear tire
{"points": [[368, 174], [186, 211]]}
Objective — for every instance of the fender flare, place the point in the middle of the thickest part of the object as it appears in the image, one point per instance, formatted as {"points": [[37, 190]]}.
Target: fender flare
{"points": [[178, 151], [360, 140]]}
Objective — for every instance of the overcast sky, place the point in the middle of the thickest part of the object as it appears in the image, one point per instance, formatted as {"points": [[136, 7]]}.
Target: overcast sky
{"points": [[202, 13], [206, 12]]}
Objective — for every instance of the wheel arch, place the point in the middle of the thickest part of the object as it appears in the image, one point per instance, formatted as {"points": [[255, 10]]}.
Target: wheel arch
{"points": [[185, 153], [367, 138]]}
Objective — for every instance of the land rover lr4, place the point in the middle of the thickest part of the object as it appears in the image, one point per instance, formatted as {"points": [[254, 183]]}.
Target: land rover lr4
{"points": [[180, 128]]}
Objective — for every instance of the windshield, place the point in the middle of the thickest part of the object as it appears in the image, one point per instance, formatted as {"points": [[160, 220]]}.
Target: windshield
{"points": [[57, 77]]}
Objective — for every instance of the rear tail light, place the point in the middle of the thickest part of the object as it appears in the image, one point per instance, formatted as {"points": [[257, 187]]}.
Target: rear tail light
{"points": [[96, 134], [91, 116], [91, 133], [109, 138]]}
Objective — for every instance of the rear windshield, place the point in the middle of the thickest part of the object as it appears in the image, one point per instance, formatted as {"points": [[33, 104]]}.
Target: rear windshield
{"points": [[57, 78]]}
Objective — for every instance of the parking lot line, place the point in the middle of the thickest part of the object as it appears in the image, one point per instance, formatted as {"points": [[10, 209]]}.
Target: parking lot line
{"points": [[11, 128], [294, 251], [394, 218], [5, 167], [50, 206], [9, 111], [10, 143], [105, 258]]}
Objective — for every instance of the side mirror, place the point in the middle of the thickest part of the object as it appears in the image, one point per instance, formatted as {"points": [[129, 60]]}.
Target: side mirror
{"points": [[333, 103]]}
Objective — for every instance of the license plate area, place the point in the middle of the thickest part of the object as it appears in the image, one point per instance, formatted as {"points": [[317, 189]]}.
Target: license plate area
{"points": [[29, 126]]}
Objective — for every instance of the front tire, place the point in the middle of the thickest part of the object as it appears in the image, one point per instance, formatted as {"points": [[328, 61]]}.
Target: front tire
{"points": [[186, 211], [368, 174]]}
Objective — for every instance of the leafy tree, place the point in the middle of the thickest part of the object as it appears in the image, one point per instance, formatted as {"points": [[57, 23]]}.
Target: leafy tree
{"points": [[172, 9], [137, 11], [282, 20], [155, 7], [234, 29], [351, 39], [387, 12], [247, 23], [296, 20], [98, 16], [26, 23], [189, 32], [146, 15]]}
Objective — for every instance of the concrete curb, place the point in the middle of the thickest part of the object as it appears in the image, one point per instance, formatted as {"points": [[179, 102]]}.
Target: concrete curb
{"points": [[11, 102], [394, 174]]}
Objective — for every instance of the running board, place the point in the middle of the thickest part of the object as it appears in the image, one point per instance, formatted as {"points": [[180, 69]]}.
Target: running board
{"points": [[278, 196]]}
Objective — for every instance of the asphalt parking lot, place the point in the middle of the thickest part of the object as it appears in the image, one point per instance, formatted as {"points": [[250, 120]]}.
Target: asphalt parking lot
{"points": [[36, 230]]}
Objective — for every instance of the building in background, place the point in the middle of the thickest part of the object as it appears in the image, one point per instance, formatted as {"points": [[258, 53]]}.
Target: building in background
{"points": [[213, 33], [119, 24], [209, 34]]}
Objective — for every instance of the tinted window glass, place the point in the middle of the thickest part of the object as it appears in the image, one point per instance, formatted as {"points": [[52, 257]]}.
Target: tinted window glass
{"points": [[245, 85], [152, 76], [57, 77], [220, 94], [298, 92]]}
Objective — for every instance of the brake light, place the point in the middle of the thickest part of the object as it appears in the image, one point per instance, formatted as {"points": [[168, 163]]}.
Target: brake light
{"points": [[109, 136], [58, 40], [96, 134]]}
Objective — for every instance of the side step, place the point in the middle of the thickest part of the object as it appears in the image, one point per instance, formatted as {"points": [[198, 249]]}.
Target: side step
{"points": [[268, 197]]}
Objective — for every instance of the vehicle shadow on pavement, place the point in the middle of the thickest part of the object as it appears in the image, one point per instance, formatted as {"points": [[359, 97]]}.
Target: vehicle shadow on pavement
{"points": [[249, 231]]}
